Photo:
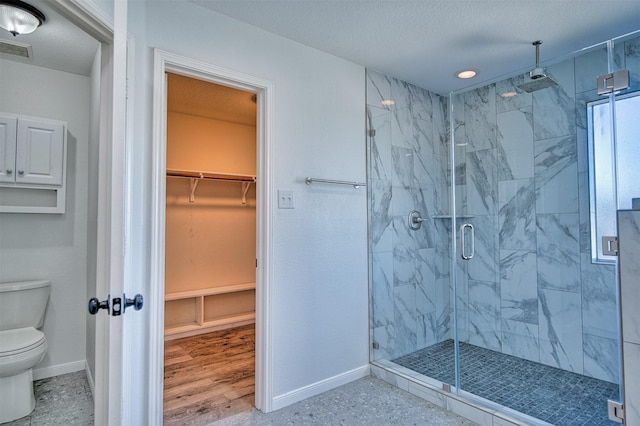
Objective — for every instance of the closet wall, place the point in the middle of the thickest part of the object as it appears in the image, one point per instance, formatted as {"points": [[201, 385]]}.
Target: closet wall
{"points": [[211, 238]]}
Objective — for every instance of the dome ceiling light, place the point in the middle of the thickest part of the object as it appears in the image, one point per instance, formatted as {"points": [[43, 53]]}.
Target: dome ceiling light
{"points": [[18, 17]]}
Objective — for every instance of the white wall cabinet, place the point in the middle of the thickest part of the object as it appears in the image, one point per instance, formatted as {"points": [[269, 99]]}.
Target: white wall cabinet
{"points": [[32, 164]]}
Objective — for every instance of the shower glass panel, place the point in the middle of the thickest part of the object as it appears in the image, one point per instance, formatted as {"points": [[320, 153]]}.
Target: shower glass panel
{"points": [[537, 318], [523, 317], [410, 279]]}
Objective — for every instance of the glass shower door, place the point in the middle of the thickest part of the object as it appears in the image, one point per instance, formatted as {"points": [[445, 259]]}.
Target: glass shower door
{"points": [[536, 320]]}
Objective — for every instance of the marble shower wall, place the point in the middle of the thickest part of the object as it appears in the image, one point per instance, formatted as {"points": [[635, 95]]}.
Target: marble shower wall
{"points": [[531, 289], [408, 158], [522, 180]]}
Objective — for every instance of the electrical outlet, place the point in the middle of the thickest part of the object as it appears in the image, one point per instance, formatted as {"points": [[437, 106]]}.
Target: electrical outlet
{"points": [[285, 199]]}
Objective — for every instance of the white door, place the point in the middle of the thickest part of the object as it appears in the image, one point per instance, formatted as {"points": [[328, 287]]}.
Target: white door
{"points": [[111, 216], [112, 397]]}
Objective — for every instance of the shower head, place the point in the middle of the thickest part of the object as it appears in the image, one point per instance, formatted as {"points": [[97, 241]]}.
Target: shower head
{"points": [[537, 79], [533, 85]]}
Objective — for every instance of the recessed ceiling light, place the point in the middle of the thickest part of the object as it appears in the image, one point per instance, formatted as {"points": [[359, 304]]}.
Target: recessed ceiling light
{"points": [[508, 94], [464, 74], [388, 102]]}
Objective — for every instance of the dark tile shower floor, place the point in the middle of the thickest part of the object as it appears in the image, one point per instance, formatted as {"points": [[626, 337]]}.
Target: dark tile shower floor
{"points": [[547, 393]]}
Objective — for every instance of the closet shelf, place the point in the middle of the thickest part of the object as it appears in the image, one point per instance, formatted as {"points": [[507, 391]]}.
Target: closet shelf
{"points": [[209, 291], [196, 176]]}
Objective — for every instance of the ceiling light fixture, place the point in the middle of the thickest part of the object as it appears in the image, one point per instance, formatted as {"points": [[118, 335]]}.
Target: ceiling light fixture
{"points": [[508, 94], [388, 102], [18, 17], [464, 74]]}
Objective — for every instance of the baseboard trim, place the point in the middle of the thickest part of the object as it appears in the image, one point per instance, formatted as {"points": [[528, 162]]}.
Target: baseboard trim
{"points": [[92, 385], [317, 388], [56, 370]]}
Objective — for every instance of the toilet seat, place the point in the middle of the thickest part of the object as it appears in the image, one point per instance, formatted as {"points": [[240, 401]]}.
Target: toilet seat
{"points": [[17, 341]]}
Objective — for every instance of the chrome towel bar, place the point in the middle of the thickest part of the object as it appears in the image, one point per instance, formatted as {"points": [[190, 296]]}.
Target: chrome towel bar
{"points": [[356, 185]]}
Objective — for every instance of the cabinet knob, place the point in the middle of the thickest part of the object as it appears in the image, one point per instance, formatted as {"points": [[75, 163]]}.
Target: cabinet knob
{"points": [[8, 172], [21, 172]]}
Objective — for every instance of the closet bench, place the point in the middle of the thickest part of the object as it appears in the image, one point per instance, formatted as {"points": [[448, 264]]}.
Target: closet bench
{"points": [[192, 312]]}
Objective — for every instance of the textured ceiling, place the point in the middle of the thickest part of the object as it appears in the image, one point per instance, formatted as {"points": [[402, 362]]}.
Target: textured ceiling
{"points": [[57, 44], [422, 41], [425, 42]]}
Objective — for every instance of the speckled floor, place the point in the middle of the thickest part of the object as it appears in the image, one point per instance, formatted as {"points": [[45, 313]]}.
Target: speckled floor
{"points": [[556, 396], [364, 402], [66, 400], [60, 400]]}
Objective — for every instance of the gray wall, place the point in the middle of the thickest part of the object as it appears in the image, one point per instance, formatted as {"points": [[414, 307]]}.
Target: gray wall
{"points": [[52, 246]]}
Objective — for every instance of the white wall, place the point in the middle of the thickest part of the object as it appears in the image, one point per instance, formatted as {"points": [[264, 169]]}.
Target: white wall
{"points": [[320, 284], [52, 246]]}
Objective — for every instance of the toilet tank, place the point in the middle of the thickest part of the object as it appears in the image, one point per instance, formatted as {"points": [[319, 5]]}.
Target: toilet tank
{"points": [[22, 304]]}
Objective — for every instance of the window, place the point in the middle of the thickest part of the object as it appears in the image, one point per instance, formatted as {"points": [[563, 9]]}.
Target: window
{"points": [[607, 195]]}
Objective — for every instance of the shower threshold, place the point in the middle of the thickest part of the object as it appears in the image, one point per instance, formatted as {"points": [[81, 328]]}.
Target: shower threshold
{"points": [[549, 394]]}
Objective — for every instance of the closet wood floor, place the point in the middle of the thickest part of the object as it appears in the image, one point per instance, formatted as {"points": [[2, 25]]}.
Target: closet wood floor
{"points": [[209, 377]]}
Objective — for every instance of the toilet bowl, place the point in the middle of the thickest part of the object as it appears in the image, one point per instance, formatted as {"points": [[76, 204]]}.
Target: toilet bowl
{"points": [[22, 345]]}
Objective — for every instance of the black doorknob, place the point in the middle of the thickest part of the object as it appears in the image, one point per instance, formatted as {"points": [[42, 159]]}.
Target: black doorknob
{"points": [[95, 305], [136, 302]]}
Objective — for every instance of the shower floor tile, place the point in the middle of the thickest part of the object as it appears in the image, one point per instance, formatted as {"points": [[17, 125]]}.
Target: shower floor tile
{"points": [[556, 396]]}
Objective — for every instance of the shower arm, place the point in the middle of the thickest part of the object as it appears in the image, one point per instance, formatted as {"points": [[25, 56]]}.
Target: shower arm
{"points": [[537, 44]]}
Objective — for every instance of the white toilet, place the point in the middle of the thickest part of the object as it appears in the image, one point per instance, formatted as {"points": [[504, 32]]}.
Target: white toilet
{"points": [[22, 346]]}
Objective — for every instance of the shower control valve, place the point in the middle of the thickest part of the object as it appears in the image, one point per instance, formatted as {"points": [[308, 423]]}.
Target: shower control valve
{"points": [[415, 220]]}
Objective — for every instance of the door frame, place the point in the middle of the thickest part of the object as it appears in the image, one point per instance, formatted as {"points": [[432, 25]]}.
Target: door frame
{"points": [[168, 62]]}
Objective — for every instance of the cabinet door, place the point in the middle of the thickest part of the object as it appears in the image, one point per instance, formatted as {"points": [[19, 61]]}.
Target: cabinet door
{"points": [[7, 148], [40, 152]]}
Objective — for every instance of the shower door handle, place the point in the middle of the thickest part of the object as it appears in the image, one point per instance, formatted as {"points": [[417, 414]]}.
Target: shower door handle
{"points": [[463, 252]]}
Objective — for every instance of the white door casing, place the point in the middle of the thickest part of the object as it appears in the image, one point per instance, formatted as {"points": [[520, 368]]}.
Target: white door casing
{"points": [[167, 62]]}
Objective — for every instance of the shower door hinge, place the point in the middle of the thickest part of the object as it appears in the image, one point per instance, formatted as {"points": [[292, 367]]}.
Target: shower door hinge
{"points": [[616, 411], [610, 246], [372, 132], [613, 82]]}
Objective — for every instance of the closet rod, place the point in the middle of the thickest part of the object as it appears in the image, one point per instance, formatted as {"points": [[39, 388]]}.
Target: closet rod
{"points": [[195, 177], [210, 176], [356, 185]]}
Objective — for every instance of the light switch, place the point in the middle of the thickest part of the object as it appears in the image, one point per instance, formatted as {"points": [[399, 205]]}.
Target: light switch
{"points": [[285, 199]]}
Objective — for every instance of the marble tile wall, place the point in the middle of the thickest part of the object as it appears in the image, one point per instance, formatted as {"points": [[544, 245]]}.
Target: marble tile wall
{"points": [[522, 179], [408, 170], [532, 290]]}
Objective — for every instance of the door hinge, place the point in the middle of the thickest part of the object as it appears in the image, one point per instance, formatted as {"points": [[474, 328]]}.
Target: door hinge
{"points": [[612, 82], [616, 411], [372, 132], [610, 246]]}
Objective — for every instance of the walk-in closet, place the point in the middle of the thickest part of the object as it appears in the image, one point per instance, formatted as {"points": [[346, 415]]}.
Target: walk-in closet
{"points": [[210, 251]]}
